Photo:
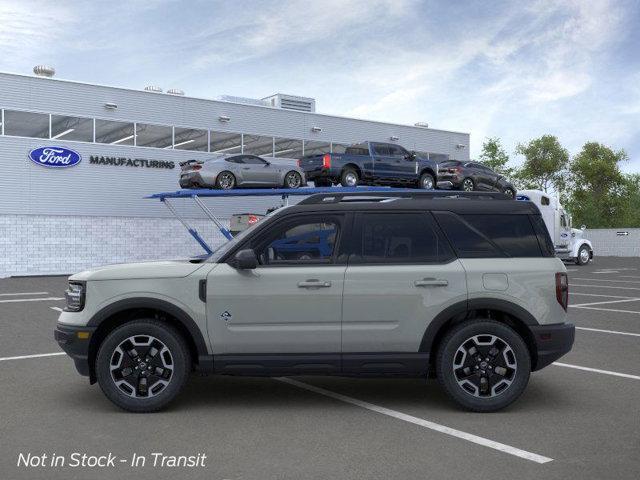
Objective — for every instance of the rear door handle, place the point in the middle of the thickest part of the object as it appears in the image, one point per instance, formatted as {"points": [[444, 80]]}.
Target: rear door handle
{"points": [[431, 282], [313, 283]]}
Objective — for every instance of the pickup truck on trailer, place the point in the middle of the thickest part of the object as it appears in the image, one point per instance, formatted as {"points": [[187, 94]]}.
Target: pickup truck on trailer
{"points": [[371, 163]]}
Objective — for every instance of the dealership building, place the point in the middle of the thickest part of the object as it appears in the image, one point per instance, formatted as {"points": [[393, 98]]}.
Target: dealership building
{"points": [[129, 144]]}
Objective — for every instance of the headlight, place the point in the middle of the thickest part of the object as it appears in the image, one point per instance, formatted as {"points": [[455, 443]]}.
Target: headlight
{"points": [[74, 295]]}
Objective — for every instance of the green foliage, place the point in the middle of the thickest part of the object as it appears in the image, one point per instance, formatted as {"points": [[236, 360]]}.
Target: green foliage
{"points": [[599, 190], [545, 165], [495, 157]]}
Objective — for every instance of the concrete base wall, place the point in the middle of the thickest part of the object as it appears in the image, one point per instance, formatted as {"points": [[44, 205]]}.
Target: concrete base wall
{"points": [[50, 245], [609, 242]]}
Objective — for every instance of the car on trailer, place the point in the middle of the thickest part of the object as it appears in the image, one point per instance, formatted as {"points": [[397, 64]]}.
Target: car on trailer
{"points": [[473, 176]]}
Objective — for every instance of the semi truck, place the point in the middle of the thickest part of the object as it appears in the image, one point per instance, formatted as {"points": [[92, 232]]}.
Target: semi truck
{"points": [[569, 242]]}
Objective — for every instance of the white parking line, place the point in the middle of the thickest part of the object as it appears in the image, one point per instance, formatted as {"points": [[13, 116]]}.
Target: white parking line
{"points": [[598, 295], [628, 276], [57, 309], [485, 442], [606, 280], [632, 299], [38, 355], [597, 370], [22, 293], [608, 331], [15, 300], [605, 309], [605, 286]]}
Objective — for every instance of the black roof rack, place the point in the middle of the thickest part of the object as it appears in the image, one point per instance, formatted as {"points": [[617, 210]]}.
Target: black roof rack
{"points": [[337, 197]]}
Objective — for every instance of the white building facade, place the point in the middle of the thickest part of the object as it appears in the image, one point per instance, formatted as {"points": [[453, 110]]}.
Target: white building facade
{"points": [[129, 144]]}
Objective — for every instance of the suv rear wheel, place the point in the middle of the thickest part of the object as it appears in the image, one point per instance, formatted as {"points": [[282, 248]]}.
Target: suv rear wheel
{"points": [[483, 365], [142, 365]]}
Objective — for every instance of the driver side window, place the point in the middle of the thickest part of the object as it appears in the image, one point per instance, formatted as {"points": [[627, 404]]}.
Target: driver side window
{"points": [[311, 240]]}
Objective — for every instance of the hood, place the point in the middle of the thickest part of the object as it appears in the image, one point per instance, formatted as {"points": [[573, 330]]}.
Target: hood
{"points": [[577, 233], [130, 271]]}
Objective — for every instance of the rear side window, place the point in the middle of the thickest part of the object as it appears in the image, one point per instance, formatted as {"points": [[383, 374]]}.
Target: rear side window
{"points": [[399, 238], [513, 234], [544, 240], [466, 239], [381, 149]]}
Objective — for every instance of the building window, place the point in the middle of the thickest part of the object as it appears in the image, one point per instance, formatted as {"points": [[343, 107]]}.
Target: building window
{"points": [[258, 145], [190, 139], [338, 147], [312, 147], [26, 124], [157, 136], [115, 133], [224, 142], [72, 128], [287, 148]]}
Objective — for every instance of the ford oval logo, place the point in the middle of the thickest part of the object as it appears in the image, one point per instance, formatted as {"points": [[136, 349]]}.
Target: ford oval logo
{"points": [[56, 157]]}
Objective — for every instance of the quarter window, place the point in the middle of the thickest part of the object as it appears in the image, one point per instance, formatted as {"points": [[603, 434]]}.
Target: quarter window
{"points": [[399, 238], [513, 234], [467, 241]]}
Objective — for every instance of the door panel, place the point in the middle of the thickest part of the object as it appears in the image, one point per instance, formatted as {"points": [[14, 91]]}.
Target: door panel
{"points": [[387, 308]]}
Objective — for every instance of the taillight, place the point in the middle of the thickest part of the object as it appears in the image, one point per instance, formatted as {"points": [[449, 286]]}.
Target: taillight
{"points": [[326, 161], [299, 162], [562, 289], [252, 219], [196, 167]]}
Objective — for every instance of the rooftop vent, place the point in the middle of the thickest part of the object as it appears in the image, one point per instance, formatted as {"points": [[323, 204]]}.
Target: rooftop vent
{"points": [[153, 88], [175, 91], [44, 71], [422, 124], [244, 100], [292, 102]]}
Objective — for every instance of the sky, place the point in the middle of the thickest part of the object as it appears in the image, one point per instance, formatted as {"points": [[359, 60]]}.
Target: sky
{"points": [[513, 70]]}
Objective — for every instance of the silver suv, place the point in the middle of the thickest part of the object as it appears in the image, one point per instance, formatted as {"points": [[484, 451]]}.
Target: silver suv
{"points": [[464, 286]]}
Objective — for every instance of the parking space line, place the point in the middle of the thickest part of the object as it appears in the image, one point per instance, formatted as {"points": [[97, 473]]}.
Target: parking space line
{"points": [[57, 309], [16, 300], [37, 355], [598, 295], [485, 442], [606, 280], [22, 293], [606, 309], [628, 276], [597, 370], [605, 286], [608, 331], [632, 299]]}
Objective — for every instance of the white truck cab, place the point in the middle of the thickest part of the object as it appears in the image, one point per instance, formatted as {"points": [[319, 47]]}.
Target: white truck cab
{"points": [[568, 242]]}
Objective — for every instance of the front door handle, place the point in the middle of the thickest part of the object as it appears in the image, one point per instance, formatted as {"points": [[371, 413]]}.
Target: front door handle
{"points": [[313, 283], [431, 282]]}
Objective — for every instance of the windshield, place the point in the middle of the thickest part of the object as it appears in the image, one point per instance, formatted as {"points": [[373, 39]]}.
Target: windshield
{"points": [[223, 249]]}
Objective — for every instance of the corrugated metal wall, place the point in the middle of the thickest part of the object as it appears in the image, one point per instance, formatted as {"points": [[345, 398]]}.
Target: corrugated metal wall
{"points": [[614, 242]]}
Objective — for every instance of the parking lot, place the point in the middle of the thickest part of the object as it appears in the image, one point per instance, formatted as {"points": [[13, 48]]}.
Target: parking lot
{"points": [[579, 418]]}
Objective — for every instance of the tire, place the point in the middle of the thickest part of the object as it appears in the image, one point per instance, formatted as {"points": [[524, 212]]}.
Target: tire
{"points": [[468, 185], [509, 192], [463, 384], [584, 255], [292, 180], [322, 182], [126, 389], [349, 178], [426, 182], [225, 180]]}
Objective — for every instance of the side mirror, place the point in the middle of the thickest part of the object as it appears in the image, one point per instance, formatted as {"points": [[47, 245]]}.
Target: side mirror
{"points": [[583, 227], [245, 260]]}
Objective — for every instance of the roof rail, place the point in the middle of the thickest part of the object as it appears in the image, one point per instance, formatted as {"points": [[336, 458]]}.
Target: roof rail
{"points": [[338, 196]]}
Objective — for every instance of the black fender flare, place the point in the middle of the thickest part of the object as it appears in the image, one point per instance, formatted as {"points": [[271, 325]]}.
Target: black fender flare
{"points": [[156, 304], [460, 309]]}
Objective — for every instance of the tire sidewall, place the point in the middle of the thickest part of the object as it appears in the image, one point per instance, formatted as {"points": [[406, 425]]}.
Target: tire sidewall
{"points": [[166, 334], [578, 258], [226, 173], [286, 184], [473, 184], [421, 181], [343, 177], [448, 348]]}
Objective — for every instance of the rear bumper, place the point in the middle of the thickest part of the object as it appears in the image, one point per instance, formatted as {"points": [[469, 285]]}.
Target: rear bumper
{"points": [[192, 180], [552, 342], [77, 347]]}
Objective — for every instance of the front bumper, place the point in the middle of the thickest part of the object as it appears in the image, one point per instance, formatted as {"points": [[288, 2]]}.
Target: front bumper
{"points": [[75, 340], [552, 342]]}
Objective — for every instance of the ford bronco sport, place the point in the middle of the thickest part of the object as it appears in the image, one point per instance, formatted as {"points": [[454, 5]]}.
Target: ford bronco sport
{"points": [[462, 286]]}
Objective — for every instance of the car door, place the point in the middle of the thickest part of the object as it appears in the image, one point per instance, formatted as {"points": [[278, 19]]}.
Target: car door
{"points": [[401, 274], [291, 303], [382, 161], [258, 171], [490, 178], [403, 164], [474, 171]]}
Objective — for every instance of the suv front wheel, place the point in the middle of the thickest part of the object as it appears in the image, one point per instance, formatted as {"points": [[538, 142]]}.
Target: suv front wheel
{"points": [[483, 365], [142, 365]]}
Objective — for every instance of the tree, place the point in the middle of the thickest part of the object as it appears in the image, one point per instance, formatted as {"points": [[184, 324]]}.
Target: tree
{"points": [[545, 164], [495, 157], [599, 191], [631, 208]]}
